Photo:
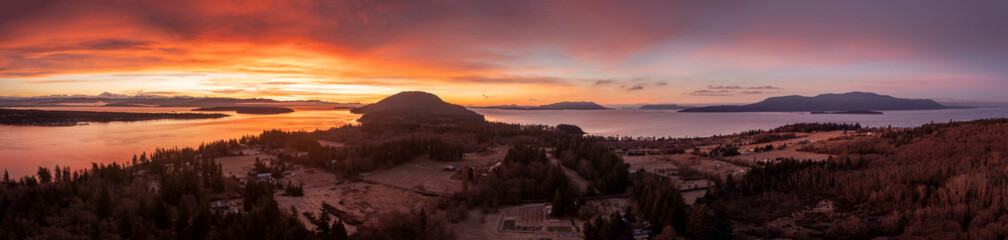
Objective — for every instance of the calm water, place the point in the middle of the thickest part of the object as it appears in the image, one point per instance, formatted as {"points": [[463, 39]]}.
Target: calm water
{"points": [[650, 123], [23, 149]]}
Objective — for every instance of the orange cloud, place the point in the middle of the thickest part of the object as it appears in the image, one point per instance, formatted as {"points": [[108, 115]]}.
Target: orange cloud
{"points": [[543, 50]]}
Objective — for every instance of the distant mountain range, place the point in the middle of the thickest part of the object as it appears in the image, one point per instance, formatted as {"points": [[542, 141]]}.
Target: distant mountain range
{"points": [[246, 110], [852, 101], [663, 106], [554, 106], [118, 100], [414, 107]]}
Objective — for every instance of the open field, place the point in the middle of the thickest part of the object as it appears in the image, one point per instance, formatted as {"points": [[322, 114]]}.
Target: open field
{"points": [[521, 222], [359, 203], [668, 164], [239, 165], [331, 143], [750, 157], [428, 175]]}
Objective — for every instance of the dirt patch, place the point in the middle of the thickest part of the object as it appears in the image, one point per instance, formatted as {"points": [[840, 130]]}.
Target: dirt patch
{"points": [[239, 166], [331, 143], [356, 202]]}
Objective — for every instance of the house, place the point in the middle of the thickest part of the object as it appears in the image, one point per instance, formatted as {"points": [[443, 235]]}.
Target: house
{"points": [[641, 234], [264, 177]]}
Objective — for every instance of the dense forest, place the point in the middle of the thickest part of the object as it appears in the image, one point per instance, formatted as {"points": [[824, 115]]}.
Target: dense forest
{"points": [[942, 181], [525, 174], [595, 162], [165, 196], [660, 203]]}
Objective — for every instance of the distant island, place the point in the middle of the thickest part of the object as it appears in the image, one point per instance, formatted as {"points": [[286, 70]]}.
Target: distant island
{"points": [[847, 112], [119, 100], [123, 105], [33, 117], [247, 110], [554, 106], [662, 106], [415, 108], [852, 101]]}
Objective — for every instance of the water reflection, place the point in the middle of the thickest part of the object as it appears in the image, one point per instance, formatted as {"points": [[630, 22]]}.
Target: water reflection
{"points": [[668, 123], [23, 148]]}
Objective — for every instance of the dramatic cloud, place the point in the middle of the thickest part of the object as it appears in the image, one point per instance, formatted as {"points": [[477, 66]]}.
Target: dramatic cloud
{"points": [[548, 49], [711, 93], [603, 82], [723, 87]]}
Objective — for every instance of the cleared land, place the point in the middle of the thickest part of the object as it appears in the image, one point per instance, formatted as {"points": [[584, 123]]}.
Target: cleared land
{"points": [[427, 175], [527, 221], [790, 151], [674, 165], [357, 202]]}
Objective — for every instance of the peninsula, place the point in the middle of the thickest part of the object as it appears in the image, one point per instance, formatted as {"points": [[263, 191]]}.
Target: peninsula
{"points": [[32, 117]]}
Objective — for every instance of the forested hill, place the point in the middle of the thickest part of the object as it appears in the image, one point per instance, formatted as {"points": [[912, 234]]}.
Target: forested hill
{"points": [[410, 106], [852, 101]]}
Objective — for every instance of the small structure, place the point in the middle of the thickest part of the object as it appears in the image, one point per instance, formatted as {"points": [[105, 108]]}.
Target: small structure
{"points": [[641, 234], [264, 177]]}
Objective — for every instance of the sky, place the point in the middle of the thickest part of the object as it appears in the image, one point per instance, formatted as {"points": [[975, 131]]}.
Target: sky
{"points": [[503, 52]]}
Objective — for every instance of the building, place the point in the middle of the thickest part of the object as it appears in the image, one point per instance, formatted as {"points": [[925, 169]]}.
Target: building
{"points": [[264, 177]]}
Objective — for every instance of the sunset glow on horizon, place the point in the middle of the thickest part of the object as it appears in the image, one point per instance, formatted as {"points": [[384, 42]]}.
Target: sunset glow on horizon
{"points": [[505, 52]]}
